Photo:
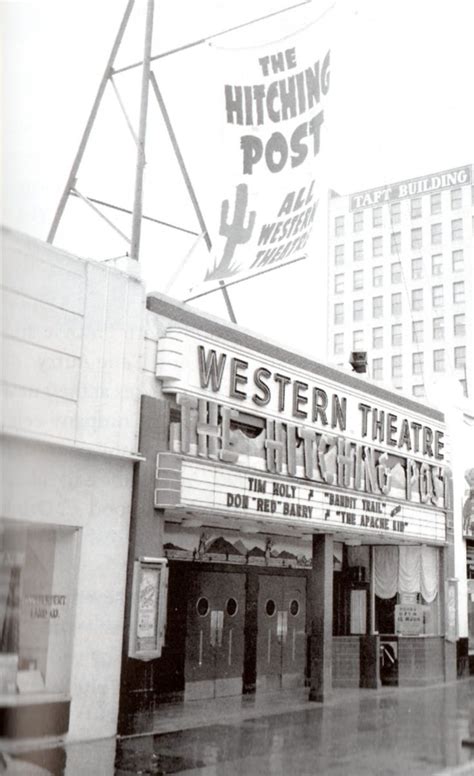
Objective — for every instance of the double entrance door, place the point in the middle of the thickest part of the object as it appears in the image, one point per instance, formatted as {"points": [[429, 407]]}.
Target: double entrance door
{"points": [[281, 637], [215, 635]]}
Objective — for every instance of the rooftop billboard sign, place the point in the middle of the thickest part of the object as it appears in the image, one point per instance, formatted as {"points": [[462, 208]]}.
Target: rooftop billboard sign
{"points": [[266, 114]]}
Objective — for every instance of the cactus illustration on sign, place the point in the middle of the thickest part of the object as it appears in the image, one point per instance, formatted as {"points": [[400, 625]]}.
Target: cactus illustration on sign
{"points": [[236, 232]]}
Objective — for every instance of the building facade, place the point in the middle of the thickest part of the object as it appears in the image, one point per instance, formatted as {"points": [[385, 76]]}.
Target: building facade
{"points": [[72, 339], [192, 511], [400, 280], [289, 523]]}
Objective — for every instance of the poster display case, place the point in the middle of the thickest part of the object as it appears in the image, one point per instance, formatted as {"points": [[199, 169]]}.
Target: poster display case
{"points": [[148, 610]]}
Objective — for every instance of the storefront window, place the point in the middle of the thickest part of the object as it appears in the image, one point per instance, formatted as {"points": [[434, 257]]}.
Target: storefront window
{"points": [[37, 591], [407, 577]]}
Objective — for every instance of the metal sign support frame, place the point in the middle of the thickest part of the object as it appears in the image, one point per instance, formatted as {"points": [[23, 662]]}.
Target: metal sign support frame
{"points": [[148, 77]]}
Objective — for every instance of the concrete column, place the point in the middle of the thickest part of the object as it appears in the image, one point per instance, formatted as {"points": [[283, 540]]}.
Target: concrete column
{"points": [[321, 603]]}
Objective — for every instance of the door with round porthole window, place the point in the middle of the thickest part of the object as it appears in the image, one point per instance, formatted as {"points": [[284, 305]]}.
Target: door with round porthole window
{"points": [[215, 635], [294, 647], [281, 635]]}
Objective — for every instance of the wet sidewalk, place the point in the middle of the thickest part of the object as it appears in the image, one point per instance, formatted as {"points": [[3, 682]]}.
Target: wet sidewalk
{"points": [[393, 731]]}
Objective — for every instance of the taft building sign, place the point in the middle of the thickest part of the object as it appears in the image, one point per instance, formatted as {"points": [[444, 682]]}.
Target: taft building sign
{"points": [[414, 187], [260, 438]]}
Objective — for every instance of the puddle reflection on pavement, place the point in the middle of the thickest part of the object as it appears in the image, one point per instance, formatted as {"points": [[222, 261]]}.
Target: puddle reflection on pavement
{"points": [[408, 732]]}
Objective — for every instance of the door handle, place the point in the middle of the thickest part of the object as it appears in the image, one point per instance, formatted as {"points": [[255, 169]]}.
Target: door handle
{"points": [[217, 627], [282, 626]]}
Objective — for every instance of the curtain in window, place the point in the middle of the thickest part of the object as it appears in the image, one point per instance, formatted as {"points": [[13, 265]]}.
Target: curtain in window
{"points": [[386, 571], [429, 573], [409, 570], [406, 570]]}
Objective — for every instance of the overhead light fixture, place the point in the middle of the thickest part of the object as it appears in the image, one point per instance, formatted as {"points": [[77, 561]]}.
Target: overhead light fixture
{"points": [[358, 361], [193, 522]]}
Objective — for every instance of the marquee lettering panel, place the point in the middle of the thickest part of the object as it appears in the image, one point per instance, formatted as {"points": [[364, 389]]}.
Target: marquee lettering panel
{"points": [[209, 368], [228, 491]]}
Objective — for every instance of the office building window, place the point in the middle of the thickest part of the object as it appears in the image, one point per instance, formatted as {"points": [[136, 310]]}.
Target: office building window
{"points": [[416, 207], [377, 276], [339, 283], [438, 296], [376, 216], [339, 254], [459, 325], [417, 331], [339, 226], [339, 313], [417, 268], [458, 292], [358, 250], [416, 238], [377, 337], [418, 390], [396, 304], [377, 246], [395, 242], [438, 328], [377, 306], [358, 220], [417, 363], [458, 260], [435, 204], [395, 213], [417, 299], [438, 360], [396, 334], [437, 264], [396, 366], [358, 309], [459, 357], [377, 368], [396, 272], [436, 234], [339, 343], [358, 340], [456, 199], [358, 279], [456, 229]]}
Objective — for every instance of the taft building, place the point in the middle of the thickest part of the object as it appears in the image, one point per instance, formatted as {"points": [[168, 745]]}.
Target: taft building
{"points": [[400, 281], [291, 524]]}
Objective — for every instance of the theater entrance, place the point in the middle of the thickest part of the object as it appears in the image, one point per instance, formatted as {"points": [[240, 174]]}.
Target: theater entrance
{"points": [[215, 635], [281, 638]]}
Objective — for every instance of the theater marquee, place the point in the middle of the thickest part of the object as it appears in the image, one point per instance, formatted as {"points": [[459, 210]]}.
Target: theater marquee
{"points": [[253, 436]]}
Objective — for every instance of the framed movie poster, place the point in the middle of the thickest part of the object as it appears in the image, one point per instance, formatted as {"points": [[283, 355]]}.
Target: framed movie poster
{"points": [[148, 608]]}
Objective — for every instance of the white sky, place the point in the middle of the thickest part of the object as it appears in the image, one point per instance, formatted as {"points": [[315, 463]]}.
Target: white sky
{"points": [[402, 105]]}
